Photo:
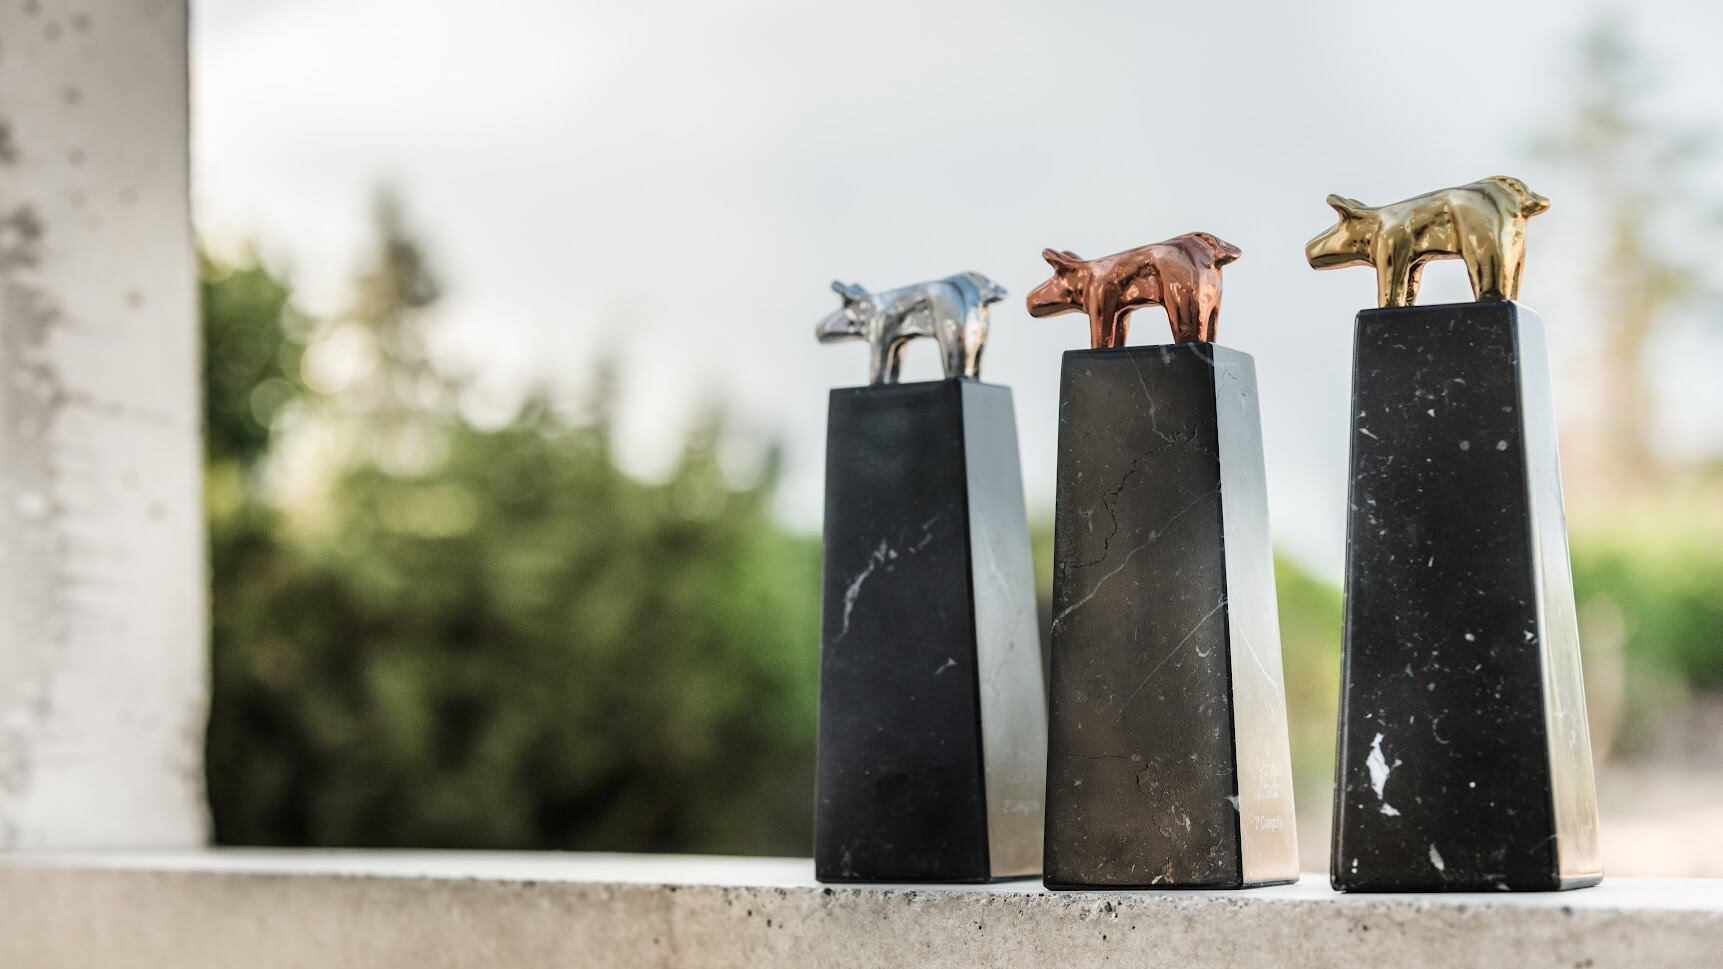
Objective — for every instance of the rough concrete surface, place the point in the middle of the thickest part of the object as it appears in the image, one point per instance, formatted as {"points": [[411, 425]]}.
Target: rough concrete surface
{"points": [[103, 612], [264, 909]]}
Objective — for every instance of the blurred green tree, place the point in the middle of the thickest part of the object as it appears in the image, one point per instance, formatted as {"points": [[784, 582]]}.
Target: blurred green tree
{"points": [[486, 638], [250, 360]]}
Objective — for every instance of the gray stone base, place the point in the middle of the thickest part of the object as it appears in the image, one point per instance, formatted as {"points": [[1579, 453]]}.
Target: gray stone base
{"points": [[264, 909]]}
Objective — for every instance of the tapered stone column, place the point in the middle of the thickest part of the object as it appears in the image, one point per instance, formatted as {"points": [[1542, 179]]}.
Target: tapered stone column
{"points": [[1464, 760], [1169, 764], [933, 718]]}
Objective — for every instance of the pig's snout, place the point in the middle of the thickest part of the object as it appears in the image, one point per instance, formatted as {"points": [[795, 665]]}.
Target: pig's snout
{"points": [[837, 325], [1049, 298], [1331, 248]]}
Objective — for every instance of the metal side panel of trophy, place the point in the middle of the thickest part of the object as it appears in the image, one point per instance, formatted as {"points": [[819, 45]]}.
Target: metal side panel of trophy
{"points": [[933, 723], [1464, 759], [1169, 764]]}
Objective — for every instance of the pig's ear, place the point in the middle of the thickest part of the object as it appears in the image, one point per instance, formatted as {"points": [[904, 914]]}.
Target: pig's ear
{"points": [[1348, 208], [851, 292], [1061, 259]]}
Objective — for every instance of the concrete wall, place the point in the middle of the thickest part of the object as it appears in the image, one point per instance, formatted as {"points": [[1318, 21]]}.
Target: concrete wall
{"points": [[102, 605], [380, 910]]}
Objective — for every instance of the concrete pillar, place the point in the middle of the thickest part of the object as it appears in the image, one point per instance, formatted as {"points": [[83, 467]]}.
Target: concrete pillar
{"points": [[103, 666]]}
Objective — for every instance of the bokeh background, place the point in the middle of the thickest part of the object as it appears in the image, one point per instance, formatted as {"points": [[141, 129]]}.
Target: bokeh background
{"points": [[515, 419]]}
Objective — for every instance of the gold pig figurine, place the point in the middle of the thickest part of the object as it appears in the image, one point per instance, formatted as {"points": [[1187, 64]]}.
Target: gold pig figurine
{"points": [[1483, 223]]}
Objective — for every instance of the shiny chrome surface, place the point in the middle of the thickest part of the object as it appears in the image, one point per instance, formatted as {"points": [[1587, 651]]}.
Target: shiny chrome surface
{"points": [[952, 311], [1573, 786], [1012, 690], [1267, 822], [1483, 223], [1181, 274]]}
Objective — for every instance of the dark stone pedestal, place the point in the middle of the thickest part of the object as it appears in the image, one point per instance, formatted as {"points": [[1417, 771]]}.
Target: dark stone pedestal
{"points": [[1464, 761], [1168, 761], [933, 721]]}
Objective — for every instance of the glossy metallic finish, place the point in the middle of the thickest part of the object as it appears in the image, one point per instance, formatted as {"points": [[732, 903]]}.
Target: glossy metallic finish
{"points": [[952, 311], [1573, 785], [1012, 688], [1181, 274], [1483, 223], [1262, 744]]}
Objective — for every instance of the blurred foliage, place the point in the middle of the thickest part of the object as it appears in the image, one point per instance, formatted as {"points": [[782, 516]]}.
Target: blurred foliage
{"points": [[250, 365], [494, 637], [438, 633], [484, 637], [1669, 605], [1310, 654], [1649, 580]]}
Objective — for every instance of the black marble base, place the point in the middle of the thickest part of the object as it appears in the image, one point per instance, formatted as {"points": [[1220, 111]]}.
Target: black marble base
{"points": [[1168, 761], [1464, 761], [932, 735]]}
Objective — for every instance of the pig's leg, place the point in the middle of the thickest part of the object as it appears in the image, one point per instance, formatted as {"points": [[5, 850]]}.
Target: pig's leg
{"points": [[973, 338], [1484, 265], [1516, 267], [1514, 255], [1209, 320], [1414, 278], [886, 359], [1209, 303], [1100, 327], [1179, 324], [894, 361], [1106, 325], [1186, 316], [947, 323], [1394, 274], [1181, 306], [949, 332], [1119, 330]]}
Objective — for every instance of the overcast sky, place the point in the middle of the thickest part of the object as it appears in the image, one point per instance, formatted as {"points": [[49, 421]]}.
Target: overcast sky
{"points": [[677, 183]]}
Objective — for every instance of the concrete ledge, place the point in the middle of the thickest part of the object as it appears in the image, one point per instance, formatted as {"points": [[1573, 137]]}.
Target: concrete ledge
{"points": [[421, 910]]}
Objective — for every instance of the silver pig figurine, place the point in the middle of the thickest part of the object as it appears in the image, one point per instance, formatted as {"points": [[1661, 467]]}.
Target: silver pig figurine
{"points": [[951, 310]]}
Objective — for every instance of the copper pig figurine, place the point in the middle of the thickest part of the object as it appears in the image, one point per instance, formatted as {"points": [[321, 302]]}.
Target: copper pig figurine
{"points": [[1483, 223], [1181, 274]]}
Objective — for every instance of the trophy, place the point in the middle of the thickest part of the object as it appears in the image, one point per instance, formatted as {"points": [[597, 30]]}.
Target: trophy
{"points": [[1464, 759], [1168, 760], [933, 721]]}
